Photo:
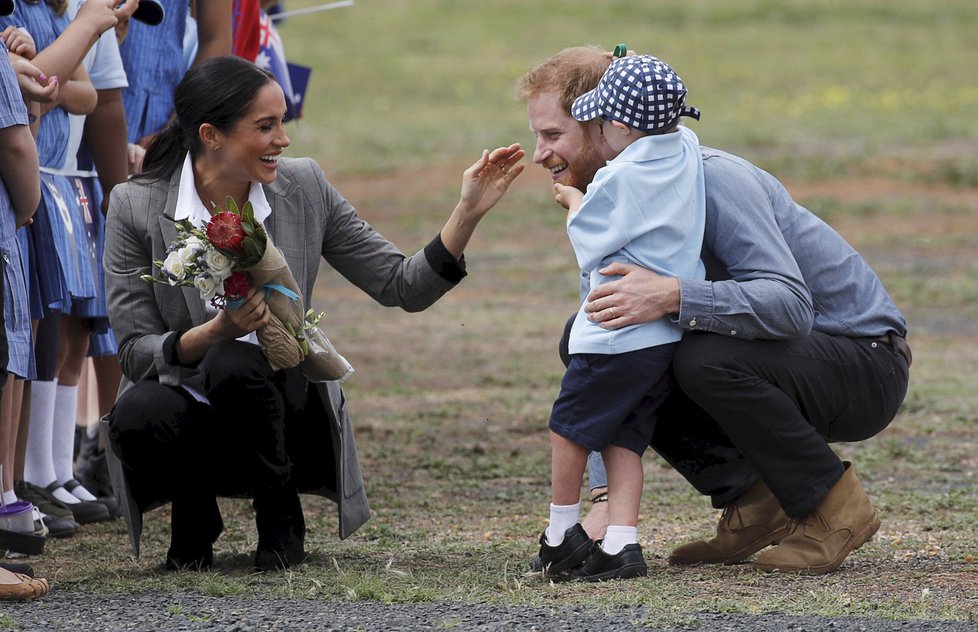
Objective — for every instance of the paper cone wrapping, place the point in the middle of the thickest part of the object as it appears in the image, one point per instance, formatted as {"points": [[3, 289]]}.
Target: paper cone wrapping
{"points": [[279, 345]]}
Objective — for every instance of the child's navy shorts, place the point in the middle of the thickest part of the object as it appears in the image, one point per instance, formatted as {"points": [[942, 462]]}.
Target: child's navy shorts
{"points": [[613, 399]]}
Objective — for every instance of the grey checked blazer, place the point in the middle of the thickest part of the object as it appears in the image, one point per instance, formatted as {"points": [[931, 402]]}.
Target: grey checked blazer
{"points": [[309, 220]]}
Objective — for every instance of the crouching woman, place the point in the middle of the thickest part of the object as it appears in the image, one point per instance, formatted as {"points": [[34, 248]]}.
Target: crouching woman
{"points": [[201, 412]]}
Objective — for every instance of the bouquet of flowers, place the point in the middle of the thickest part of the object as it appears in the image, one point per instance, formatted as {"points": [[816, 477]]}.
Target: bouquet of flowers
{"points": [[229, 256]]}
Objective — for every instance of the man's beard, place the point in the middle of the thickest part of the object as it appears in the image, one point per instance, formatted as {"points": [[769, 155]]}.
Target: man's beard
{"points": [[582, 170]]}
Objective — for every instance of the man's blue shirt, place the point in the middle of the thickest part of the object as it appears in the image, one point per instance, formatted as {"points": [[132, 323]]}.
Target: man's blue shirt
{"points": [[774, 270]]}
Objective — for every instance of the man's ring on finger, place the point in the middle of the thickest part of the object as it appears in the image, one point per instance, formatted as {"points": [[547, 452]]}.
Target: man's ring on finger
{"points": [[612, 308]]}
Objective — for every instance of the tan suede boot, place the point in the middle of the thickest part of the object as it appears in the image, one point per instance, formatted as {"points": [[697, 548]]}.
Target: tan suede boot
{"points": [[842, 522], [751, 522]]}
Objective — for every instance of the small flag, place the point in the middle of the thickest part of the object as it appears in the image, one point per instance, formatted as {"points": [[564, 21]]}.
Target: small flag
{"points": [[271, 57]]}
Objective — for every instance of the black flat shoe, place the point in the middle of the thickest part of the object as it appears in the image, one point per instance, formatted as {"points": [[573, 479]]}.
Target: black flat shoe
{"points": [[110, 503], [83, 511], [555, 560], [601, 567], [42, 499], [60, 527]]}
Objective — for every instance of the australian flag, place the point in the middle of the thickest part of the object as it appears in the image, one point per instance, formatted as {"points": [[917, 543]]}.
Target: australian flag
{"points": [[293, 78]]}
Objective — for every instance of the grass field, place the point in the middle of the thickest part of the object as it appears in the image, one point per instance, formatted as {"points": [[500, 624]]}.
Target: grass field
{"points": [[868, 111]]}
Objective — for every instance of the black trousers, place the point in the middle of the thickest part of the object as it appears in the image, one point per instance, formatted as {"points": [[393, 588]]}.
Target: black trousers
{"points": [[768, 409], [172, 445]]}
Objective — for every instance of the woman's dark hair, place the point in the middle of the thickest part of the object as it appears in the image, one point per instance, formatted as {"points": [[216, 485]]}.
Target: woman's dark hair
{"points": [[218, 91]]}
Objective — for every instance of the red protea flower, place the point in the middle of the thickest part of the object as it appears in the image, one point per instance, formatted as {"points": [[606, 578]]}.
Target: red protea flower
{"points": [[225, 232], [237, 285]]}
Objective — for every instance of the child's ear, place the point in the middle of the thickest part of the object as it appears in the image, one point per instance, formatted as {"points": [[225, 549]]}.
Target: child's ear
{"points": [[621, 127]]}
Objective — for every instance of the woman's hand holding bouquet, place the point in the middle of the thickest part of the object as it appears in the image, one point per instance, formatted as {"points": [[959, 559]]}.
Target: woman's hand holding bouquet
{"points": [[230, 261]]}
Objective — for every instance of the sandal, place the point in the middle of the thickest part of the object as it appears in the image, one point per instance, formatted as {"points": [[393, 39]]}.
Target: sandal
{"points": [[20, 587]]}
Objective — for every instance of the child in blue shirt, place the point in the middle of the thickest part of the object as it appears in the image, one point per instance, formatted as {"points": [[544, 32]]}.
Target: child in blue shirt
{"points": [[645, 207]]}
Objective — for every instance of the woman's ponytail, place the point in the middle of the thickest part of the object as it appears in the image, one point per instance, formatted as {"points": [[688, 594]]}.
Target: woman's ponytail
{"points": [[165, 152]]}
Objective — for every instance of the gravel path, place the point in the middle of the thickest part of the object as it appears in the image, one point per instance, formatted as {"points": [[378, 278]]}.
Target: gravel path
{"points": [[83, 612]]}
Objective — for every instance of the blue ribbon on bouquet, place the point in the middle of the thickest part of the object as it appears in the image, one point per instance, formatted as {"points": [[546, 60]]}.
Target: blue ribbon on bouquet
{"points": [[268, 287], [280, 289]]}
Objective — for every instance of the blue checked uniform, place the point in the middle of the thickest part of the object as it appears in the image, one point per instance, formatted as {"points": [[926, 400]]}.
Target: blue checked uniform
{"points": [[153, 59], [16, 312], [61, 273]]}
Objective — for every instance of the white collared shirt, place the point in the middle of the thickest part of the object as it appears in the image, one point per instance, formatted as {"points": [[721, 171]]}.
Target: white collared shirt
{"points": [[189, 204]]}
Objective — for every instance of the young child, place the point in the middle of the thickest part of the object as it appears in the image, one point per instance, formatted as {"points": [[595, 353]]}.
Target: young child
{"points": [[20, 192], [645, 207]]}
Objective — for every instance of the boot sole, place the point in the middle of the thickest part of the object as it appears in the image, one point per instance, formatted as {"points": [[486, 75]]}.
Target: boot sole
{"points": [[862, 538], [737, 557]]}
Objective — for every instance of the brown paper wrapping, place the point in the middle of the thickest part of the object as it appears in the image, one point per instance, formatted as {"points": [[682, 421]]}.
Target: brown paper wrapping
{"points": [[280, 347]]}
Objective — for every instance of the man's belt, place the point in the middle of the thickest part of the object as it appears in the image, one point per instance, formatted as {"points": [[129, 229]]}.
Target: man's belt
{"points": [[899, 343]]}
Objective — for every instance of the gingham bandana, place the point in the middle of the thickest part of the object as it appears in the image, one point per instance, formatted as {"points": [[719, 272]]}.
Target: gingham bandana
{"points": [[641, 91]]}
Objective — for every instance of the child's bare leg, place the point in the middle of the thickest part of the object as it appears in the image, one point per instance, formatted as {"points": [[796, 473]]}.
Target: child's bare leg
{"points": [[567, 462], [564, 545], [625, 480], [620, 555]]}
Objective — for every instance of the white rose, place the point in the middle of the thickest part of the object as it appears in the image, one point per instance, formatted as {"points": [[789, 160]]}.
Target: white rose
{"points": [[192, 241], [218, 263], [174, 268], [207, 285], [189, 255]]}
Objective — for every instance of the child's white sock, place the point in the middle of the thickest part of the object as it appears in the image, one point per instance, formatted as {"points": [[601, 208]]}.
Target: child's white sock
{"points": [[63, 432], [617, 537], [9, 497], [63, 440], [562, 518], [38, 466]]}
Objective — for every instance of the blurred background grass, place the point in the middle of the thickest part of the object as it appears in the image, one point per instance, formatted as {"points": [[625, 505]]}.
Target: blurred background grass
{"points": [[811, 86]]}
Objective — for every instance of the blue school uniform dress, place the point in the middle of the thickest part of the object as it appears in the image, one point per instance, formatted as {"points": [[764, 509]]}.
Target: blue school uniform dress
{"points": [[64, 265], [104, 67], [154, 63], [16, 312]]}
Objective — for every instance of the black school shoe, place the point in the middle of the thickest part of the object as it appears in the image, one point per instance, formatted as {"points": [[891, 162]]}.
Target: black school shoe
{"points": [[60, 527], [602, 567], [83, 511], [556, 560], [110, 503]]}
